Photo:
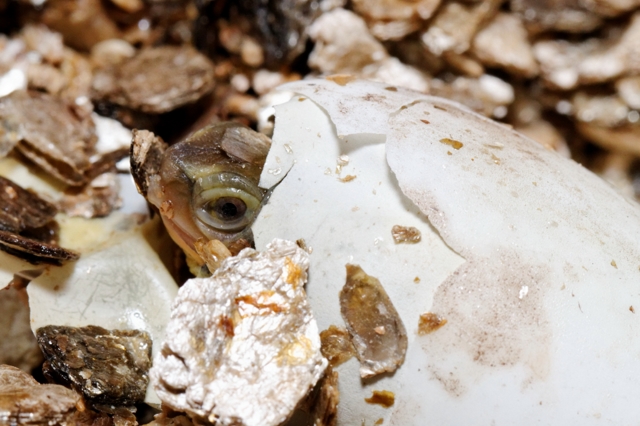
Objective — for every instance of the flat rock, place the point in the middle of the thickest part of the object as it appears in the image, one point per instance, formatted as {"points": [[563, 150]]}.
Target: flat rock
{"points": [[242, 346], [18, 346], [25, 401], [46, 130], [504, 43], [376, 330], [156, 80], [107, 367]]}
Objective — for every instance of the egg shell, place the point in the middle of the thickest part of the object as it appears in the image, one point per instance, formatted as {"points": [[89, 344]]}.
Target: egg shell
{"points": [[531, 259]]}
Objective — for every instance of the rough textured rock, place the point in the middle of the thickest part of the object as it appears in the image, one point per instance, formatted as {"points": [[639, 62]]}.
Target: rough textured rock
{"points": [[156, 80], [35, 58], [558, 59], [343, 44], [376, 329], [280, 26], [611, 8], [18, 346], [607, 111], [147, 152], [623, 139], [504, 43], [393, 19], [34, 251], [616, 57], [119, 282], [27, 226], [323, 401], [487, 95], [49, 132], [25, 401], [96, 199], [336, 345], [561, 15], [90, 23], [565, 65], [242, 346], [108, 367], [22, 209], [456, 23], [628, 89]]}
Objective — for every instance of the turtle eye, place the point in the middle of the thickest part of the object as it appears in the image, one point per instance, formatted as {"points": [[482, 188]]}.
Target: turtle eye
{"points": [[228, 208], [226, 201]]}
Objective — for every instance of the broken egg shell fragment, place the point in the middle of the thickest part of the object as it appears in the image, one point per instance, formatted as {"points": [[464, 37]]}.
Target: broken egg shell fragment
{"points": [[119, 282], [242, 346], [522, 221], [376, 330]]}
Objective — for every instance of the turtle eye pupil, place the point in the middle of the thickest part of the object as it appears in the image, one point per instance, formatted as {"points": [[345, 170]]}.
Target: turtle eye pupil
{"points": [[229, 208]]}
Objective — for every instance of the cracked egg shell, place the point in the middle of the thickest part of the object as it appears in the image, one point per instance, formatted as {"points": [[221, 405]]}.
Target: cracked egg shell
{"points": [[531, 259]]}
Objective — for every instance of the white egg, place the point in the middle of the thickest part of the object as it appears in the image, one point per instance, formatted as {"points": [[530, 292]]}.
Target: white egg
{"points": [[531, 259]]}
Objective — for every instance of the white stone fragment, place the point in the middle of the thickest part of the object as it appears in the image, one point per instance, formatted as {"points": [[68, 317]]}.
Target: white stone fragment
{"points": [[343, 43], [240, 83], [564, 65], [504, 43], [47, 43], [392, 71], [498, 90], [628, 89], [454, 26], [264, 81], [242, 346], [111, 52], [614, 60], [12, 80], [112, 135], [393, 19], [558, 61], [607, 111], [487, 95]]}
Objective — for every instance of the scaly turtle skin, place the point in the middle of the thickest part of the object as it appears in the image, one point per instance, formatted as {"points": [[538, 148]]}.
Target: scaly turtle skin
{"points": [[205, 187]]}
